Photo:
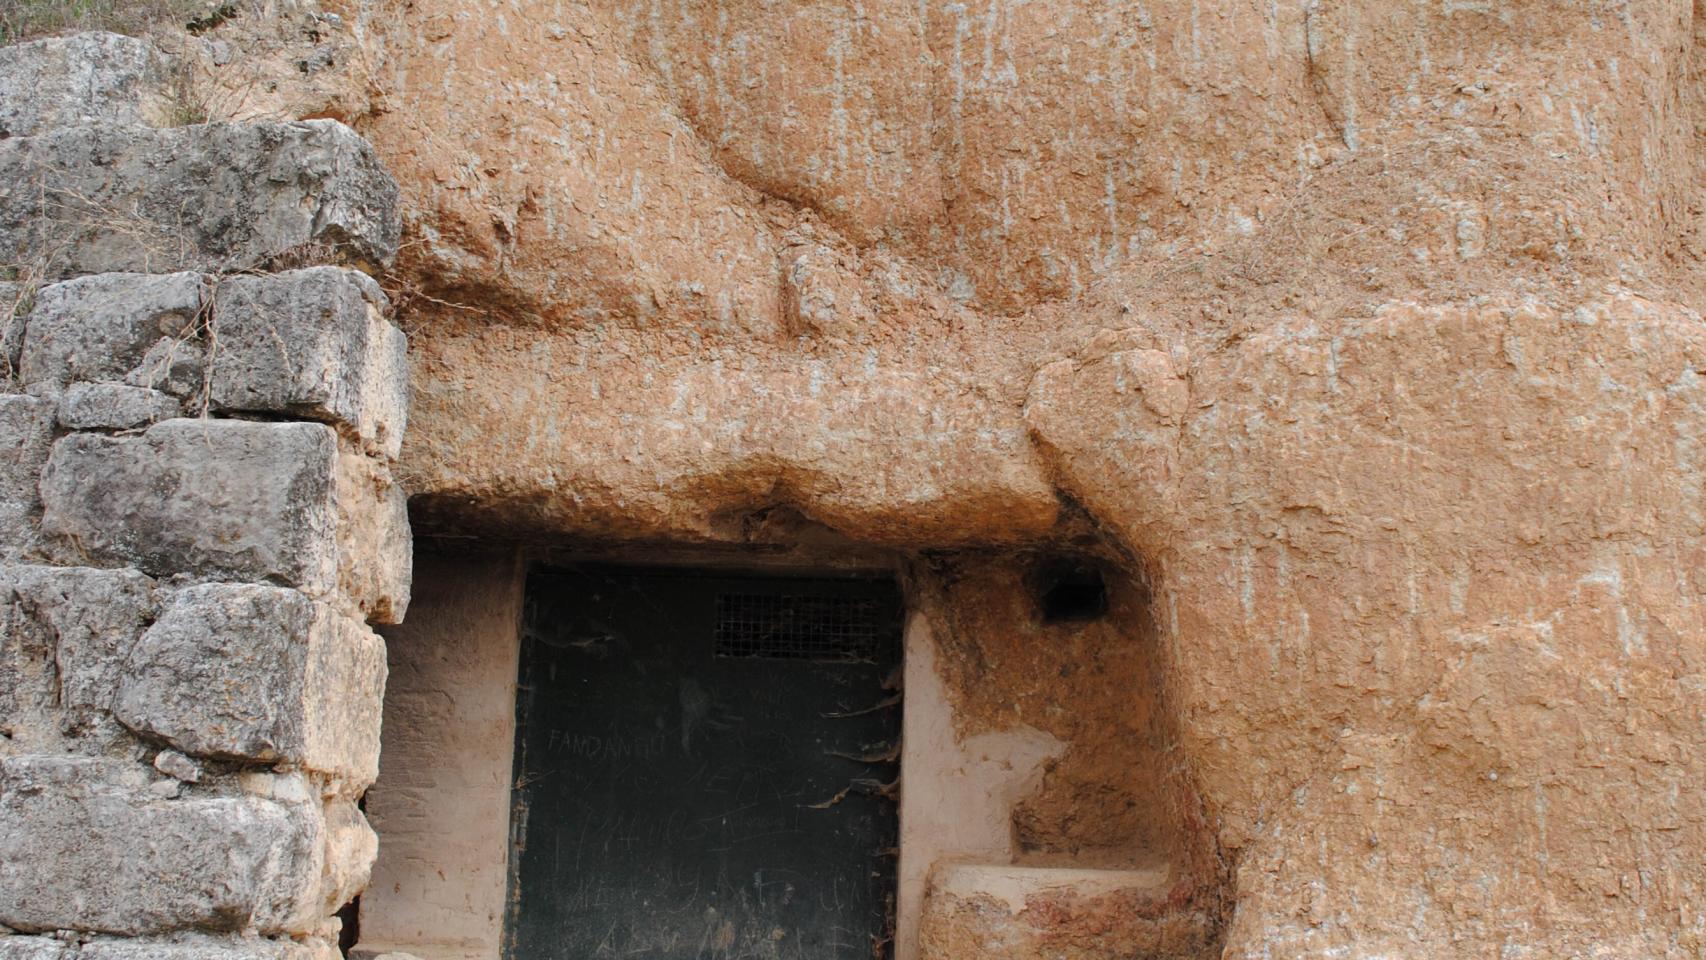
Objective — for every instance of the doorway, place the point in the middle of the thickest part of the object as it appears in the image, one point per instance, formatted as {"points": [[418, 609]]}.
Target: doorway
{"points": [[705, 767]]}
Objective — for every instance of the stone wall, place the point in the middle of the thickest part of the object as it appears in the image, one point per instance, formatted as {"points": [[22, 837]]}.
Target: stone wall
{"points": [[203, 400]]}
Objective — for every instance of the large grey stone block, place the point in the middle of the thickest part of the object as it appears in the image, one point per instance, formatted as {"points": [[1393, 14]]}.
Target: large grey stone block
{"points": [[26, 431], [232, 500], [86, 619], [219, 196], [351, 846], [114, 326], [85, 846], [315, 343], [349, 843], [64, 636], [215, 498], [85, 78], [114, 406], [258, 673]]}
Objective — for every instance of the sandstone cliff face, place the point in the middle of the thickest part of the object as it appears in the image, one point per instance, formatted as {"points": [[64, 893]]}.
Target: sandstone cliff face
{"points": [[1364, 335], [1431, 609]]}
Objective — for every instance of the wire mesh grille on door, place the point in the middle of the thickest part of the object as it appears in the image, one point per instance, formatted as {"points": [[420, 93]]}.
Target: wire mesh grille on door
{"points": [[797, 627]]}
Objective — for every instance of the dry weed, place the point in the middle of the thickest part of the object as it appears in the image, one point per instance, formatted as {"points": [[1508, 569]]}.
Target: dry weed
{"points": [[29, 19]]}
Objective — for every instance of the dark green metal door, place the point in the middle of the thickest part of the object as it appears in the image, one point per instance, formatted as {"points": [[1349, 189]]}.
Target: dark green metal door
{"points": [[703, 767]]}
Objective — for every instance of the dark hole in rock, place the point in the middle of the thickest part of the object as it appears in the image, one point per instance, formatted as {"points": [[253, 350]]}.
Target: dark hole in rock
{"points": [[350, 913], [350, 934], [1070, 591]]}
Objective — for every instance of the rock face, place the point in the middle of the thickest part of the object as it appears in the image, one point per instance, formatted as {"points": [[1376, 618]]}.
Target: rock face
{"points": [[1446, 554], [981, 911], [1363, 336]]}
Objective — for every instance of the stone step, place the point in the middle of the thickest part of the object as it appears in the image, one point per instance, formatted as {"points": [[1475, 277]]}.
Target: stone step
{"points": [[1007, 912]]}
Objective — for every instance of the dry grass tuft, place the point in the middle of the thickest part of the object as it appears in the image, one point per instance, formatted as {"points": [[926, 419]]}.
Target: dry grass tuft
{"points": [[29, 19]]}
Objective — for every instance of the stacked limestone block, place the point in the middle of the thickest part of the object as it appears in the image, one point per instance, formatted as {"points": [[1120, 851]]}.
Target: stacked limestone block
{"points": [[197, 519]]}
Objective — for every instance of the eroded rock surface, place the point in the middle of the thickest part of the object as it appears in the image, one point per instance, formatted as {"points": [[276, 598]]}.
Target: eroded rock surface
{"points": [[1429, 599], [1364, 336]]}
